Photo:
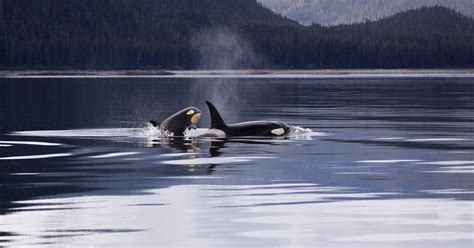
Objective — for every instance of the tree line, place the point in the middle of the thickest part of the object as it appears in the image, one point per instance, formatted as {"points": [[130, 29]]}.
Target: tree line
{"points": [[162, 34]]}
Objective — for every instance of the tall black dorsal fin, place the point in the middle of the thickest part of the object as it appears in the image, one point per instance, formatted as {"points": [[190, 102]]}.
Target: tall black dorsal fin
{"points": [[216, 119]]}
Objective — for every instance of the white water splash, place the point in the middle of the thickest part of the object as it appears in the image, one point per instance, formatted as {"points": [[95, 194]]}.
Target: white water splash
{"points": [[148, 132], [194, 132], [214, 160], [301, 133], [154, 132], [295, 130], [151, 131]]}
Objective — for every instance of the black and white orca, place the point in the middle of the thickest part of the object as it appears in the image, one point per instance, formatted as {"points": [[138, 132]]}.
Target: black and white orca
{"points": [[220, 129], [177, 124]]}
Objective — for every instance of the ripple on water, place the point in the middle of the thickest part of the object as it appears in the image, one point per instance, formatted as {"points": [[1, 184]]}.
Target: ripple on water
{"points": [[213, 160], [31, 143], [40, 156], [115, 155], [390, 161], [293, 214], [99, 132], [458, 162]]}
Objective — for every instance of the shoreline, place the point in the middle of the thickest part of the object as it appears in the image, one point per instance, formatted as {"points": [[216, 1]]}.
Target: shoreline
{"points": [[263, 73]]}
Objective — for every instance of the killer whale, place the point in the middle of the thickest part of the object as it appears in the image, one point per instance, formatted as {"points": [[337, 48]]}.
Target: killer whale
{"points": [[220, 129], [178, 123]]}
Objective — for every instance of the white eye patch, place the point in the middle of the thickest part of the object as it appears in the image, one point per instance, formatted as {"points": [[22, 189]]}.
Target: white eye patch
{"points": [[190, 112], [278, 131]]}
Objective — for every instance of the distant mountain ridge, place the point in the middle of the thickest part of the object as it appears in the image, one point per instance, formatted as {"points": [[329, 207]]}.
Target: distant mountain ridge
{"points": [[334, 12], [418, 22], [217, 34]]}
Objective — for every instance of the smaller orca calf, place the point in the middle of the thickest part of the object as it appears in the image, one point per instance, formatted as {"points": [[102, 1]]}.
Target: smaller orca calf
{"points": [[177, 124], [251, 129]]}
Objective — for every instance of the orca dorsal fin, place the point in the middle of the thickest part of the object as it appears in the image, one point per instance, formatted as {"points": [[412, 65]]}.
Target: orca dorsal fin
{"points": [[216, 119], [155, 123]]}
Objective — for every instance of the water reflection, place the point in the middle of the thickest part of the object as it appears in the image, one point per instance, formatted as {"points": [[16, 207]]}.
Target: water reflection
{"points": [[390, 164], [260, 216]]}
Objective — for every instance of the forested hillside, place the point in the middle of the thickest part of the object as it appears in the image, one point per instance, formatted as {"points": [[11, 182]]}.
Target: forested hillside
{"points": [[118, 33], [333, 12], [427, 37], [420, 22], [220, 34]]}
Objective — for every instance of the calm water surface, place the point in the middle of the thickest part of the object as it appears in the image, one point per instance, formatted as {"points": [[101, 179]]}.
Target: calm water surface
{"points": [[388, 163]]}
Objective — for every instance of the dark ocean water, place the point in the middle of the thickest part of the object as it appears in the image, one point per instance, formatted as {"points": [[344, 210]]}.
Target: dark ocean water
{"points": [[385, 162]]}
